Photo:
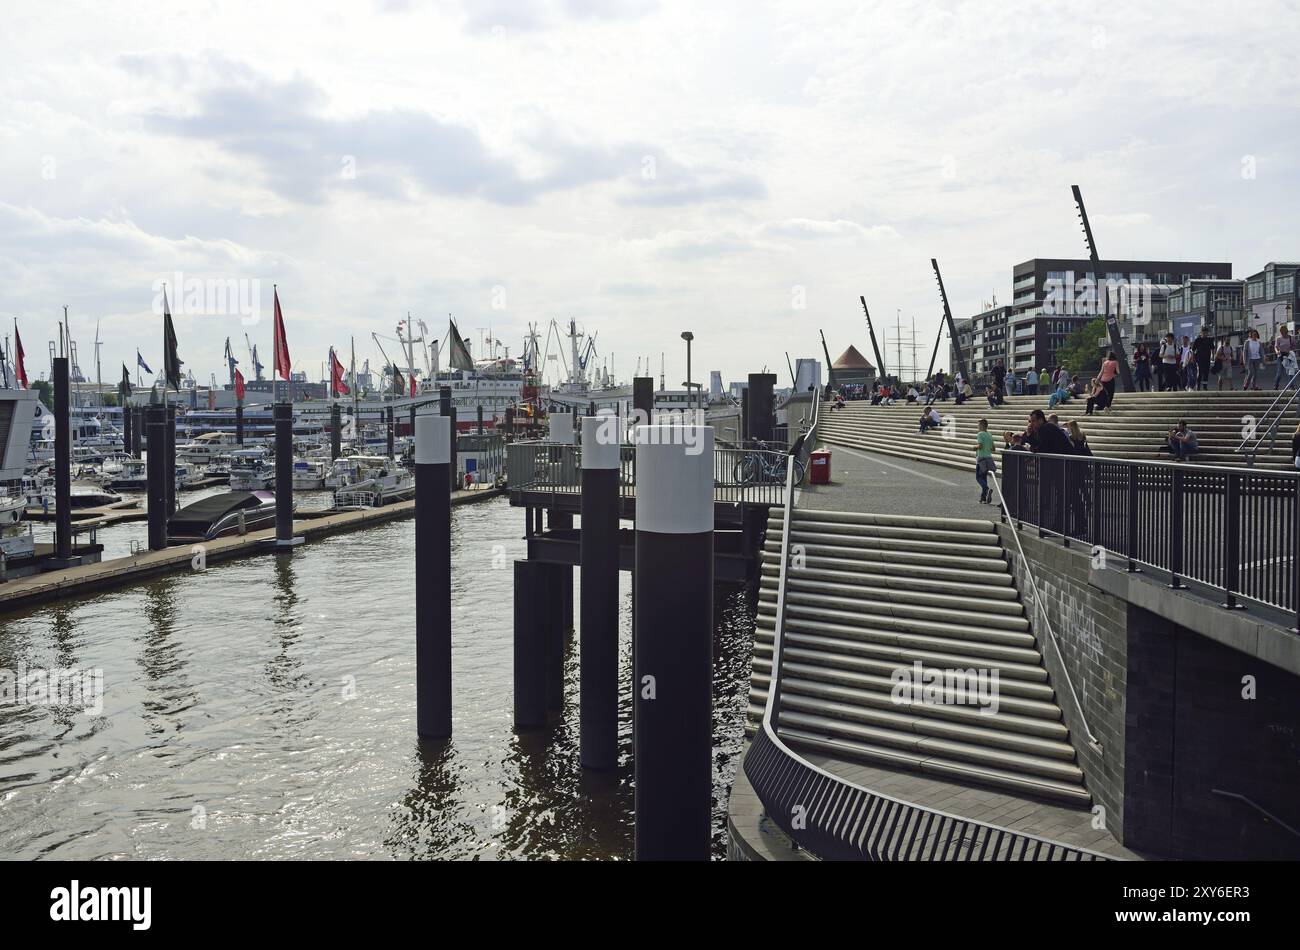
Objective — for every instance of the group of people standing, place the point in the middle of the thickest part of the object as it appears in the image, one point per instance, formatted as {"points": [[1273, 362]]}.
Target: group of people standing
{"points": [[1193, 364], [1043, 434]]}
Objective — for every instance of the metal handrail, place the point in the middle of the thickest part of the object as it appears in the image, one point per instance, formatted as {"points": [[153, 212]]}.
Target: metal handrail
{"points": [[844, 820], [1257, 806], [1272, 428], [1042, 611]]}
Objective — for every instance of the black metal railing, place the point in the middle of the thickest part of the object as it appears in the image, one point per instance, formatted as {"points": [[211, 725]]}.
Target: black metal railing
{"points": [[1233, 531], [838, 820], [1266, 426]]}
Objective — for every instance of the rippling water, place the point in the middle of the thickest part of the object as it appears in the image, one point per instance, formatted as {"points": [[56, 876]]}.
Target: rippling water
{"points": [[265, 708]]}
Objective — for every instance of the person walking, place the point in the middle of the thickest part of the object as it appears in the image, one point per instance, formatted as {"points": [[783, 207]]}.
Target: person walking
{"points": [[1283, 345], [1045, 381], [984, 463], [1168, 363], [1252, 355], [1031, 383], [1224, 357], [1185, 361], [1203, 354], [1142, 369]]}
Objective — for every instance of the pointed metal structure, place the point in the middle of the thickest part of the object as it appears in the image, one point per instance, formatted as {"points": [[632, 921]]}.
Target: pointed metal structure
{"points": [[952, 329], [1112, 325]]}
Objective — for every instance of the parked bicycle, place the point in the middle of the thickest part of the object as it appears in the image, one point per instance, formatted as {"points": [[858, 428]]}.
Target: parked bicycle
{"points": [[765, 464]]}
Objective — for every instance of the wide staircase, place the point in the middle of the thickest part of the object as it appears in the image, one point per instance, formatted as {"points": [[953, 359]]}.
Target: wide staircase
{"points": [[1134, 428], [870, 594]]}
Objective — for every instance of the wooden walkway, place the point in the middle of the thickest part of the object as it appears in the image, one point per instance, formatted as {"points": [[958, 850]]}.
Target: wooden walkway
{"points": [[38, 588]]}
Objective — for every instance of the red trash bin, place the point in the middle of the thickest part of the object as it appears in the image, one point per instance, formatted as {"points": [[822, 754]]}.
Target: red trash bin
{"points": [[821, 467]]}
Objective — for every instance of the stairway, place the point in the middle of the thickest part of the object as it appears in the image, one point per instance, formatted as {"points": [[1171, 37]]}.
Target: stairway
{"points": [[876, 593], [1133, 429]]}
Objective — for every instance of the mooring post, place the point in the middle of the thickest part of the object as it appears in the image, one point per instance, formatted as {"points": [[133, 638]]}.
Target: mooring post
{"points": [[137, 436], [672, 652], [453, 467], [530, 645], [432, 577], [282, 414], [169, 458], [390, 430], [156, 473], [62, 461], [127, 426], [598, 590], [239, 422], [336, 431], [643, 400]]}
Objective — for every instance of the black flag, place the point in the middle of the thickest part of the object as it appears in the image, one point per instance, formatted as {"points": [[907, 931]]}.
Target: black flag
{"points": [[124, 387], [171, 361], [459, 357]]}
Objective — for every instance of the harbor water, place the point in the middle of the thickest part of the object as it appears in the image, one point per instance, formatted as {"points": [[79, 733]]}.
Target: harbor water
{"points": [[265, 708]]}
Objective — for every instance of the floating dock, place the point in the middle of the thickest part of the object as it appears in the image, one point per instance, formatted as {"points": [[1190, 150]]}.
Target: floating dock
{"points": [[38, 588]]}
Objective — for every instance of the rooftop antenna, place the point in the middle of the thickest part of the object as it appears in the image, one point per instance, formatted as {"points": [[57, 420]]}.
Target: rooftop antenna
{"points": [[1112, 327]]}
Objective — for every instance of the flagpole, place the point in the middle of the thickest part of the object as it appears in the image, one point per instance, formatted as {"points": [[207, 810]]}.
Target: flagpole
{"points": [[356, 422]]}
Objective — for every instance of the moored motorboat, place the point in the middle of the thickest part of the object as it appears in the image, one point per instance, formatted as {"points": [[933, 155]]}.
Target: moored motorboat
{"points": [[233, 512]]}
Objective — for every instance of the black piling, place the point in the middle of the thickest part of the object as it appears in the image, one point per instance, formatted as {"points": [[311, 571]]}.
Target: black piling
{"points": [[336, 431], [239, 422], [598, 559], [433, 578], [138, 434], [128, 421], [169, 457], [156, 476], [390, 431], [643, 399], [62, 461], [530, 645], [672, 650], [761, 407], [283, 416]]}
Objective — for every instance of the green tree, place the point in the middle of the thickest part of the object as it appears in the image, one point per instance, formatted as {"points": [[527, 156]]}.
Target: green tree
{"points": [[46, 390], [1081, 353]]}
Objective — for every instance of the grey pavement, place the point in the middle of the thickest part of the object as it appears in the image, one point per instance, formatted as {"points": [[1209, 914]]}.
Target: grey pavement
{"points": [[866, 481]]}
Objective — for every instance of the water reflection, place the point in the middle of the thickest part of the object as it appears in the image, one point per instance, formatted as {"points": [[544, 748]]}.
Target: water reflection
{"points": [[225, 690]]}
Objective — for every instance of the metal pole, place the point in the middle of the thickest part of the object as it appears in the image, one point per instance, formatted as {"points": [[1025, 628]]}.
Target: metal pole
{"points": [[336, 431], [62, 462], [283, 416], [530, 645], [169, 458], [239, 422], [156, 474], [952, 327], [1112, 326], [1176, 528], [433, 577], [390, 430], [598, 557], [672, 650]]}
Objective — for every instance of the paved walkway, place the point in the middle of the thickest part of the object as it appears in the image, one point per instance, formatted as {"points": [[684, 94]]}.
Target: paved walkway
{"points": [[867, 481]]}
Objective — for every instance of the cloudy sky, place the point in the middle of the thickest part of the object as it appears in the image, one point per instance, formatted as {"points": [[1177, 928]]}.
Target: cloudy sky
{"points": [[742, 170]]}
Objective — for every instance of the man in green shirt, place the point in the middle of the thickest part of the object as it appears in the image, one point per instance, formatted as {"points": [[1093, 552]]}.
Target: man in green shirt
{"points": [[1044, 382], [984, 461]]}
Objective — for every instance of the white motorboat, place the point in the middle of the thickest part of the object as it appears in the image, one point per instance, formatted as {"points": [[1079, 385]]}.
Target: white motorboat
{"points": [[251, 470], [309, 474]]}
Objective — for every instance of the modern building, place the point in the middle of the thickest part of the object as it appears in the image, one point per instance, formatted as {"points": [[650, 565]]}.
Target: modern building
{"points": [[1272, 297], [1217, 304], [1053, 297]]}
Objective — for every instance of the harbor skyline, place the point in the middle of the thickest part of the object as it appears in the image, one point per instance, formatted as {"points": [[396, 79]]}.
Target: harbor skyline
{"points": [[504, 187]]}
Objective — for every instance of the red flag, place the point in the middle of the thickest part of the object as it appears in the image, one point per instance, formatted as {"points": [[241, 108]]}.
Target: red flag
{"points": [[19, 369], [281, 343], [337, 386], [411, 377], [239, 385]]}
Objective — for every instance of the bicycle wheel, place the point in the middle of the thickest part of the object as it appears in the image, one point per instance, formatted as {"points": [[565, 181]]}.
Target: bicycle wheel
{"points": [[747, 470], [798, 472]]}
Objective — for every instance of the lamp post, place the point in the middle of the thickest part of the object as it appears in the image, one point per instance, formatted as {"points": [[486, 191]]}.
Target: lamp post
{"points": [[688, 336]]}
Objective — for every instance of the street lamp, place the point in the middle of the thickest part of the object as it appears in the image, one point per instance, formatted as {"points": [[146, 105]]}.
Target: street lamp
{"points": [[687, 335]]}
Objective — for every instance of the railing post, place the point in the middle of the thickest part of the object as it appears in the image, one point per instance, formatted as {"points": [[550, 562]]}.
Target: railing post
{"points": [[1131, 538], [1231, 542], [1065, 505], [1295, 560], [1042, 492], [433, 578], [1176, 528], [1094, 509], [1020, 487]]}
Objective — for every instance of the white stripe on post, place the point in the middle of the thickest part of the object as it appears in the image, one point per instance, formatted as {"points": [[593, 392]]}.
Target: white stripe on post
{"points": [[432, 440], [562, 428], [600, 442], [674, 479]]}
